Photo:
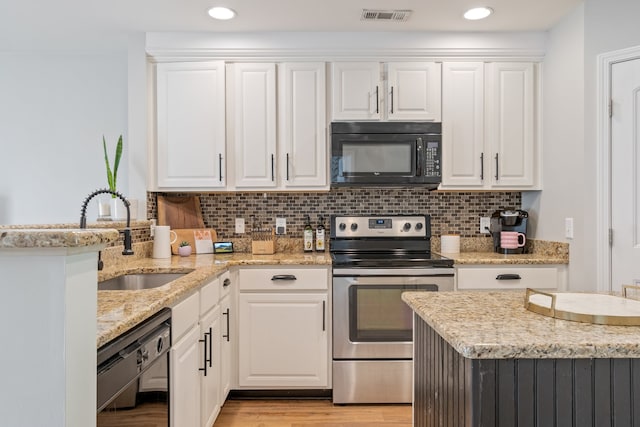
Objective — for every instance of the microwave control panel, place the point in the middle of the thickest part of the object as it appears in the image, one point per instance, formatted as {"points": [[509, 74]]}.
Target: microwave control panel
{"points": [[432, 159]]}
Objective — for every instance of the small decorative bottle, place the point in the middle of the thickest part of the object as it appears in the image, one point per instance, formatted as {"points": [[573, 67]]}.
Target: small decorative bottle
{"points": [[308, 235], [320, 235]]}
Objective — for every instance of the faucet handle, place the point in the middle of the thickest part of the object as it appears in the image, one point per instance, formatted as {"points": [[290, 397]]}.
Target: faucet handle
{"points": [[127, 242]]}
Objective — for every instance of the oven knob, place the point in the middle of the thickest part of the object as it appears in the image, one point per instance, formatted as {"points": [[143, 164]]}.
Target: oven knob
{"points": [[342, 226], [354, 226], [419, 226], [407, 226]]}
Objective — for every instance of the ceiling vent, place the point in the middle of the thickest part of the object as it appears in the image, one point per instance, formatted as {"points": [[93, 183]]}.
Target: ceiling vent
{"points": [[385, 15]]}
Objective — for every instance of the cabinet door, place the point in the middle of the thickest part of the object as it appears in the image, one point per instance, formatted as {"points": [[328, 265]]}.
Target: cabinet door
{"points": [[357, 91], [510, 123], [463, 124], [210, 376], [302, 124], [190, 125], [283, 340], [227, 341], [254, 125], [185, 380], [414, 91]]}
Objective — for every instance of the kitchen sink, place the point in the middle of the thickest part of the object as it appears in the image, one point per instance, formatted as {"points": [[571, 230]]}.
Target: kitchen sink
{"points": [[136, 282]]}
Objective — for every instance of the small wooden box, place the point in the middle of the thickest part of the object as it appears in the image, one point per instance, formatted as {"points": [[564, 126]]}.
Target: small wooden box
{"points": [[263, 247]]}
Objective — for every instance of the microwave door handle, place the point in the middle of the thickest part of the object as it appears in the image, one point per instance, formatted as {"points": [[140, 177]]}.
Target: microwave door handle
{"points": [[419, 157]]}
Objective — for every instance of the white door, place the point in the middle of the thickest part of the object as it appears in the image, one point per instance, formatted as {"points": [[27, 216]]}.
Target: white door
{"points": [[302, 140], [625, 182], [210, 379], [414, 91], [185, 380], [191, 125], [357, 91], [254, 125]]}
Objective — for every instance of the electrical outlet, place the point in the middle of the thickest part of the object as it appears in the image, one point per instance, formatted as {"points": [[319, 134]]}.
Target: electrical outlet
{"points": [[485, 223], [568, 228], [239, 225], [281, 226]]}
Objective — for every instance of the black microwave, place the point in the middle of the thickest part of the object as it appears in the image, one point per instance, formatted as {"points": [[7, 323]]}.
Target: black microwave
{"points": [[380, 154]]}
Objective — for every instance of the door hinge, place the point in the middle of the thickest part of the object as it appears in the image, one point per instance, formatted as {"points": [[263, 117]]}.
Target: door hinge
{"points": [[611, 237], [610, 108]]}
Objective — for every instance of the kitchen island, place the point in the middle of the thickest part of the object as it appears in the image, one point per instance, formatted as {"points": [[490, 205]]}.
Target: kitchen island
{"points": [[482, 359]]}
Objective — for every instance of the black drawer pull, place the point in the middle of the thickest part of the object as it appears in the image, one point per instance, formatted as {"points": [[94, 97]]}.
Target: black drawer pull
{"points": [[284, 277], [508, 277], [226, 282]]}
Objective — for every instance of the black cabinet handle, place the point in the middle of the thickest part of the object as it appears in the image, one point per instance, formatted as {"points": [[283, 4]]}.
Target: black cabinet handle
{"points": [[226, 313], [204, 347], [497, 174], [287, 166], [286, 277], [210, 333], [324, 316], [273, 177], [226, 282], [508, 277], [391, 99], [481, 166], [220, 166], [377, 101]]}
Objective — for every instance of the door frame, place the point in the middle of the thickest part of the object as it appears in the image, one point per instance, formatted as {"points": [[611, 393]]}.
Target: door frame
{"points": [[603, 161]]}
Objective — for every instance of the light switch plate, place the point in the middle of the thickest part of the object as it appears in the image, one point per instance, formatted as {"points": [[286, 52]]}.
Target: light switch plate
{"points": [[239, 225], [281, 226], [485, 223], [568, 228]]}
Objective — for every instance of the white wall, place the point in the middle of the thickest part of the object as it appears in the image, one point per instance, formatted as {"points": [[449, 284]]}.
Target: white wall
{"points": [[563, 146], [54, 109]]}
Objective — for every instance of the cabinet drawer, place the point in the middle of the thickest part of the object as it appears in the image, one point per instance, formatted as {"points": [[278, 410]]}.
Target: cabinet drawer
{"points": [[284, 279], [209, 295], [510, 277], [184, 316]]}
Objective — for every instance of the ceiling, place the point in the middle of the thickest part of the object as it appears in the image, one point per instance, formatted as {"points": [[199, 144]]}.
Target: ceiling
{"points": [[69, 23]]}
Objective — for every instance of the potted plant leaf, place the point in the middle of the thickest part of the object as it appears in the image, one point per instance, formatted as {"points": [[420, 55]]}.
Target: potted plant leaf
{"points": [[117, 207]]}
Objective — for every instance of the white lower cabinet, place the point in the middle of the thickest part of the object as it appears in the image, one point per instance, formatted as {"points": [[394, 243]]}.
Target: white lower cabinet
{"points": [[283, 328], [511, 277], [197, 388]]}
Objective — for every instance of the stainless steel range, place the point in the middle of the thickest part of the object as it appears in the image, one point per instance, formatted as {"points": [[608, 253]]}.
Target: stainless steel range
{"points": [[375, 259]]}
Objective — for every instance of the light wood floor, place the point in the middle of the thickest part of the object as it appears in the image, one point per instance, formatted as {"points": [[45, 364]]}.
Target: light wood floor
{"points": [[297, 413]]}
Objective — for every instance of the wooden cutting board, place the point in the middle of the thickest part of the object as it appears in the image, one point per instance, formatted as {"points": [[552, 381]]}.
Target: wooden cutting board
{"points": [[180, 212]]}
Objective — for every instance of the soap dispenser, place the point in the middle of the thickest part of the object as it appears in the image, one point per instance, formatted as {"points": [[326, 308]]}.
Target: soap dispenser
{"points": [[320, 235], [308, 235]]}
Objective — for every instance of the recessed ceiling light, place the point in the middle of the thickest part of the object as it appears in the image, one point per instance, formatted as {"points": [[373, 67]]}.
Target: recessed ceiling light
{"points": [[478, 13], [223, 13]]}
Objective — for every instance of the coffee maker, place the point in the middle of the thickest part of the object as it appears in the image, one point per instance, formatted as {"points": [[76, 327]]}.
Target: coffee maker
{"points": [[508, 220]]}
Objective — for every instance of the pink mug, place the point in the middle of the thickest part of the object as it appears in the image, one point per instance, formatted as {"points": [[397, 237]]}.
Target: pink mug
{"points": [[512, 240]]}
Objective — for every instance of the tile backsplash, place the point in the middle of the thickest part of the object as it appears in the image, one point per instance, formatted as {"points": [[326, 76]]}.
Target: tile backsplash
{"points": [[451, 212]]}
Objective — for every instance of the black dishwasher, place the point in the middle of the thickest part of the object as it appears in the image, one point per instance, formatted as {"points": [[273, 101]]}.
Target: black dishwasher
{"points": [[133, 375]]}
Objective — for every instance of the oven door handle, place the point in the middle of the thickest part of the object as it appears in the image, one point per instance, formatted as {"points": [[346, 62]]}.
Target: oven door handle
{"points": [[284, 277]]}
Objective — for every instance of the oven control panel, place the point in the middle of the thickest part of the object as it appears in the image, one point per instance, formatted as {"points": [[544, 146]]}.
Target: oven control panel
{"points": [[379, 226]]}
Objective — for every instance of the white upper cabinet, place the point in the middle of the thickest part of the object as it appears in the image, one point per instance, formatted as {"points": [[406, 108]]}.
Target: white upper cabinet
{"points": [[412, 92], [489, 124], [295, 113], [510, 123], [463, 124], [302, 140], [254, 124], [190, 117]]}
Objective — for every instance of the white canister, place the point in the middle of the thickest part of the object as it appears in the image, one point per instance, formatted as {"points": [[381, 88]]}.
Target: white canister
{"points": [[162, 240], [450, 243]]}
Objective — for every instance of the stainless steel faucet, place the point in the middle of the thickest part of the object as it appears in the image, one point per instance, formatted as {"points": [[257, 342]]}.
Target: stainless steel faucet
{"points": [[126, 232]]}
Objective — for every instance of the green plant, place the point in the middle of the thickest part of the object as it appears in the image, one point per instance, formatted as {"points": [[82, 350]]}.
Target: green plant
{"points": [[112, 174], [184, 243]]}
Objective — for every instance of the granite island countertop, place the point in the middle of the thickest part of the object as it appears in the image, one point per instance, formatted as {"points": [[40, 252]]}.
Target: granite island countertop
{"points": [[495, 325], [119, 311]]}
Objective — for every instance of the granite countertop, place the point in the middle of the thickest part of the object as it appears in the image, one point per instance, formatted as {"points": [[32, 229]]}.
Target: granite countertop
{"points": [[493, 258], [21, 238], [118, 311], [495, 325]]}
